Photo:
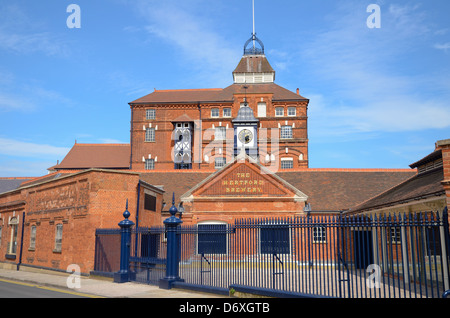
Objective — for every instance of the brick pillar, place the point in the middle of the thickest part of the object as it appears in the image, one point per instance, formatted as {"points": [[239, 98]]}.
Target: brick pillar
{"points": [[444, 145]]}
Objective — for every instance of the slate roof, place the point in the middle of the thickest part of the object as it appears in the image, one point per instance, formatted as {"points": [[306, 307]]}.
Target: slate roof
{"points": [[327, 189], [254, 64], [421, 186], [217, 94], [10, 184], [102, 156]]}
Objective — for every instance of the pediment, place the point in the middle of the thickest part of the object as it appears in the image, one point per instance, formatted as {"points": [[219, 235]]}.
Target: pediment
{"points": [[243, 179]]}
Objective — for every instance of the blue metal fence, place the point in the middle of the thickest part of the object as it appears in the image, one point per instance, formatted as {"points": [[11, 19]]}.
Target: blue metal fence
{"points": [[388, 256], [343, 256]]}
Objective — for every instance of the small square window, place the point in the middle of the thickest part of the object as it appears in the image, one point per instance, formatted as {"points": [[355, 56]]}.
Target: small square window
{"points": [[150, 114], [320, 234], [286, 132], [219, 162], [396, 235], [287, 163], [292, 111], [227, 112], [215, 112], [279, 111]]}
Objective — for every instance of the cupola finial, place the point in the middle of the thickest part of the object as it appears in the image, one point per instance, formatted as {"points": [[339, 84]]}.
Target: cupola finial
{"points": [[253, 50]]}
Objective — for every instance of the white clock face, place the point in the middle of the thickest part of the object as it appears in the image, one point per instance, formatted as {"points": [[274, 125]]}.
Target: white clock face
{"points": [[245, 136]]}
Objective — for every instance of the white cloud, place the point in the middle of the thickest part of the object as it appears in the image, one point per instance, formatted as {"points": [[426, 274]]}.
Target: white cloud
{"points": [[16, 148], [445, 46], [368, 92], [9, 102], [18, 34], [24, 168], [191, 36]]}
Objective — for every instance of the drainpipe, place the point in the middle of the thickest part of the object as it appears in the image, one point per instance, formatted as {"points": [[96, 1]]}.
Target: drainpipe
{"points": [[131, 138], [21, 241], [137, 205], [200, 145], [137, 215]]}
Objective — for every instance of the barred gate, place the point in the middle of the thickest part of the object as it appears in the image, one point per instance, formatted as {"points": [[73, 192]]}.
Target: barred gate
{"points": [[148, 254], [147, 249], [395, 256]]}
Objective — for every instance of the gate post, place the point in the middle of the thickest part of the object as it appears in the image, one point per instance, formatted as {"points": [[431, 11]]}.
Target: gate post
{"points": [[123, 275], [172, 224]]}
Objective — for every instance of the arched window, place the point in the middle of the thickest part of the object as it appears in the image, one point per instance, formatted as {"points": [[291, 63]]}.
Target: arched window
{"points": [[14, 224]]}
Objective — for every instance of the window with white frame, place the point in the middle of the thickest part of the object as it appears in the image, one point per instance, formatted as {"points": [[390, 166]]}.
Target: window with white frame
{"points": [[396, 235], [150, 114], [219, 162], [220, 133], [227, 112], [279, 111], [14, 224], [286, 132], [292, 111], [149, 134], [58, 238], [287, 163], [33, 237], [319, 234], [149, 164], [215, 112]]}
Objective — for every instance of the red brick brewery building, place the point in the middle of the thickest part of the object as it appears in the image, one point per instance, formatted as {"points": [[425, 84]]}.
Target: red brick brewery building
{"points": [[240, 151]]}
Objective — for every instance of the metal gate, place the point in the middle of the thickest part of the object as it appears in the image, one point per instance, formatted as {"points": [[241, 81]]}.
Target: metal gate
{"points": [[148, 253]]}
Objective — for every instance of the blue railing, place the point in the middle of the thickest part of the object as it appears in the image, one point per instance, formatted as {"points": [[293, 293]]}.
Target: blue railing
{"points": [[388, 256], [392, 256]]}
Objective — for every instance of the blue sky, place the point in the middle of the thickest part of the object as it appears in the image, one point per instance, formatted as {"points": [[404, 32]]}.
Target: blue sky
{"points": [[379, 98]]}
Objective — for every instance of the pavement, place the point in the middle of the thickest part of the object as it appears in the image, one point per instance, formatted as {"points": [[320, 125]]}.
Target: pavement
{"points": [[98, 287]]}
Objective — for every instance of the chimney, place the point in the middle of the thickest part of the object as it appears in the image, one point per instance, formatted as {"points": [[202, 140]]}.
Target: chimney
{"points": [[298, 91]]}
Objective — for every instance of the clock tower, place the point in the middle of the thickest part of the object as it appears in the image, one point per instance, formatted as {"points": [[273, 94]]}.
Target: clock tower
{"points": [[246, 132]]}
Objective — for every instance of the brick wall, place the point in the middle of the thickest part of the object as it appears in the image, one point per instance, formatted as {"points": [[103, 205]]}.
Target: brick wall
{"points": [[444, 145], [165, 114], [81, 203]]}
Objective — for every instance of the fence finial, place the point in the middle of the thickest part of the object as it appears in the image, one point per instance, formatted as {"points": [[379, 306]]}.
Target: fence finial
{"points": [[126, 214], [173, 209]]}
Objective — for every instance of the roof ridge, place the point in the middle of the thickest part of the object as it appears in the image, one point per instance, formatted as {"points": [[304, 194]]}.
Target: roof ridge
{"points": [[187, 90], [92, 144], [349, 170]]}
